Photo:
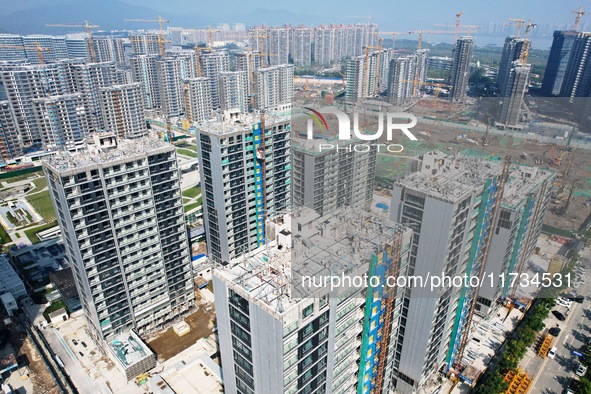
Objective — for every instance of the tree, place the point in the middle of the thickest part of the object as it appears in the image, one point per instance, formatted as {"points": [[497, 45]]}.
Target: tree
{"points": [[584, 386], [494, 385]]}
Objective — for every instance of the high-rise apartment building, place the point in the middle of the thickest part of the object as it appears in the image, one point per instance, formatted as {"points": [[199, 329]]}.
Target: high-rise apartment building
{"points": [[280, 41], [23, 84], [333, 43], [144, 71], [577, 76], [120, 212], [526, 197], [514, 89], [460, 68], [170, 85], [88, 78], [144, 44], [57, 45], [245, 168], [122, 110], [63, 120], [274, 87], [234, 91], [198, 96], [512, 51], [558, 61], [367, 76], [212, 64], [401, 81], [302, 46], [10, 143], [325, 180], [449, 203], [276, 338], [109, 49]]}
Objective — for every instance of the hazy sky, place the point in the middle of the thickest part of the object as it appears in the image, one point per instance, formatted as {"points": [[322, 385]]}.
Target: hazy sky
{"points": [[392, 15]]}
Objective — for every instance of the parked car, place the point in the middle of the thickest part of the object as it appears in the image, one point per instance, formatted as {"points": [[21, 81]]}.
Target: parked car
{"points": [[581, 370], [554, 331], [552, 353], [83, 344], [559, 315], [75, 342], [564, 302]]}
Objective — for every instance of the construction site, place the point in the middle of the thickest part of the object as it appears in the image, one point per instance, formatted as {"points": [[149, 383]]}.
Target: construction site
{"points": [[457, 128]]}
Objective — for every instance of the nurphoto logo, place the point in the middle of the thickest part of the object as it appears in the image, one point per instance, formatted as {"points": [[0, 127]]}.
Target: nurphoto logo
{"points": [[345, 129]]}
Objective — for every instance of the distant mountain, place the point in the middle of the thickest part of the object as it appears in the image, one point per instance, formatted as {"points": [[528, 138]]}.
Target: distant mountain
{"points": [[280, 17], [108, 14]]}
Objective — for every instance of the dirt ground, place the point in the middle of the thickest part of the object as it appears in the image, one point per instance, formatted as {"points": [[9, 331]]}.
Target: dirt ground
{"points": [[168, 344], [40, 376]]}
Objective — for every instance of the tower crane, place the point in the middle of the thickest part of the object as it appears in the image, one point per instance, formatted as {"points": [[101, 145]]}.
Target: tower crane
{"points": [[525, 52], [579, 13], [393, 33], [420, 33], [209, 32], [88, 26], [518, 25], [161, 21], [457, 27], [37, 48]]}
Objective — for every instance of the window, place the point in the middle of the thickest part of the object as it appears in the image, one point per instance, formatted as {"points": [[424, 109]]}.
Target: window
{"points": [[308, 311]]}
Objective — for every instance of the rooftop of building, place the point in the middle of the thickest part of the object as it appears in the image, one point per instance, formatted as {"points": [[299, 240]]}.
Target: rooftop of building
{"points": [[9, 277], [449, 178], [234, 122], [522, 181], [305, 245], [105, 148], [128, 348], [196, 375]]}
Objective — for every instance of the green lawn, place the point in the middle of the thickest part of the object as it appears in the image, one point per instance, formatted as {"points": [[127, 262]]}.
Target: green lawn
{"points": [[192, 206], [4, 237], [41, 183], [186, 152], [192, 192], [42, 204], [185, 145], [32, 233], [22, 177]]}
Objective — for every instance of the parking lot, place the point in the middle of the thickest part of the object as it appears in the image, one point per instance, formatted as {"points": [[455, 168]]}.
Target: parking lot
{"points": [[554, 375]]}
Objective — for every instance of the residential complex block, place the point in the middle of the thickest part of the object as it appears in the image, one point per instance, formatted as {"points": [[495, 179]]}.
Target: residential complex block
{"points": [[121, 216]]}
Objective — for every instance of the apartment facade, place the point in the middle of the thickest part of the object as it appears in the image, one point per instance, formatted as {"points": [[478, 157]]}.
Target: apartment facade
{"points": [[327, 180], [449, 204], [274, 87], [512, 50], [63, 119], [526, 197], [460, 68], [120, 213], [10, 142], [144, 71], [275, 339], [198, 95], [122, 110], [234, 91], [170, 84], [245, 168]]}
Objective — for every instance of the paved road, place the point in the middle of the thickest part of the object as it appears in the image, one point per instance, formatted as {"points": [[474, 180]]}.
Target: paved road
{"points": [[556, 374]]}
